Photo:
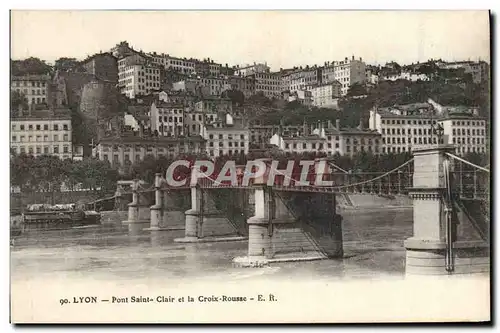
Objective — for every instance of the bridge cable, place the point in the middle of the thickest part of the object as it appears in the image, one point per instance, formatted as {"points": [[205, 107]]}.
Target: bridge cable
{"points": [[467, 162], [355, 184]]}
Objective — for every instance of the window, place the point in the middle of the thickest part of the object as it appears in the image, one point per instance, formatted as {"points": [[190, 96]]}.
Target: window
{"points": [[38, 138], [37, 127], [56, 137], [66, 137], [38, 150], [45, 127], [56, 127], [65, 149], [23, 150], [65, 127], [22, 127], [56, 149], [14, 138], [45, 149]]}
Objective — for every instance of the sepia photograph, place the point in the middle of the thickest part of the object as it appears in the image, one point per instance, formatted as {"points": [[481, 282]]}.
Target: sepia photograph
{"points": [[244, 166]]}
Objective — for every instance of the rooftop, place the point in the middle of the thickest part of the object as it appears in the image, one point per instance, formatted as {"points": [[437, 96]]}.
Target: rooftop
{"points": [[56, 114]]}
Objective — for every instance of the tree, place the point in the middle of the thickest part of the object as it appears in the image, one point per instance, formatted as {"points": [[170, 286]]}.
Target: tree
{"points": [[65, 64], [31, 65], [236, 96], [17, 99]]}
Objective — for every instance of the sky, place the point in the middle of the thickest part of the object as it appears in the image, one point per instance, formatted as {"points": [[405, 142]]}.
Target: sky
{"points": [[283, 39]]}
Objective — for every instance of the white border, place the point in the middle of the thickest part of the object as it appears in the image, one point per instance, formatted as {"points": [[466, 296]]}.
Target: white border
{"points": [[145, 4]]}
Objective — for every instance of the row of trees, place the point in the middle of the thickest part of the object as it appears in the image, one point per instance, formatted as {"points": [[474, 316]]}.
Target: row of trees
{"points": [[48, 173]]}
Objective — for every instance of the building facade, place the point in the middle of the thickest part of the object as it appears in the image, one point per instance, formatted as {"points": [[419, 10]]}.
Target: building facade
{"points": [[326, 95], [42, 132], [222, 139], [103, 65], [268, 83], [34, 87], [347, 72], [167, 118], [128, 150], [137, 75], [247, 70]]}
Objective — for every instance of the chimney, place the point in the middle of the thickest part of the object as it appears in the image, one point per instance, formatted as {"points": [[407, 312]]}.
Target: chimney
{"points": [[337, 124], [141, 130], [329, 124], [304, 128], [20, 110], [360, 123]]}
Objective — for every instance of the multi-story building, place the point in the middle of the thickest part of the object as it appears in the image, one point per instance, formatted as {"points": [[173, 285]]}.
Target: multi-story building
{"points": [[103, 65], [304, 97], [34, 87], [216, 85], [326, 95], [138, 75], [263, 133], [299, 79], [247, 70], [181, 65], [330, 140], [466, 131], [207, 67], [479, 70], [212, 104], [42, 132], [347, 141], [244, 84], [226, 139], [213, 86], [130, 149], [167, 118], [404, 128], [347, 72], [268, 83]]}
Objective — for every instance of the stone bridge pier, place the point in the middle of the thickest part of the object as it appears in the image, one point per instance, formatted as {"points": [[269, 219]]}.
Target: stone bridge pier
{"points": [[205, 221], [167, 212], [441, 243], [138, 216], [284, 228]]}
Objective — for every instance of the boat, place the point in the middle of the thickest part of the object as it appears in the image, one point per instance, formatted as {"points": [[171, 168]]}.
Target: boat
{"points": [[54, 217]]}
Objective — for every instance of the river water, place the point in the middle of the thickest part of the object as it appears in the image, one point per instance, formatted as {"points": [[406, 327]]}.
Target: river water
{"points": [[373, 246], [107, 262]]}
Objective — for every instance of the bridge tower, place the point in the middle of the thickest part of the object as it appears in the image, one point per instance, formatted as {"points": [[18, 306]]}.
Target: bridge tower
{"points": [[434, 248]]}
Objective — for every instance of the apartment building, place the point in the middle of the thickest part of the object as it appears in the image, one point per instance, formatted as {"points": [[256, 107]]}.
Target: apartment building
{"points": [[347, 72], [467, 132], [479, 70], [247, 70], [404, 128], [244, 84], [330, 140], [130, 149], [268, 83], [103, 65], [299, 79], [167, 118], [42, 132], [34, 87], [226, 139], [326, 95], [138, 75]]}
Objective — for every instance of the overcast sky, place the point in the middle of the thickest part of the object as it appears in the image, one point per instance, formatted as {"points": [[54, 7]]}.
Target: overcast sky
{"points": [[283, 39]]}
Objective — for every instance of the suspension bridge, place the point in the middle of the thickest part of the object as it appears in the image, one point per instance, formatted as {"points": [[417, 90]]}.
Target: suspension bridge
{"points": [[285, 217]]}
